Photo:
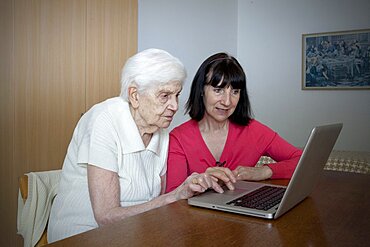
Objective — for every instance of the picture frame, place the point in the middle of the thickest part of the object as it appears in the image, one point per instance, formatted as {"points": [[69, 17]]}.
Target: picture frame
{"points": [[336, 60]]}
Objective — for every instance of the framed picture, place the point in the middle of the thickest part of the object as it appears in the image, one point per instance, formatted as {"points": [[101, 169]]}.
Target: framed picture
{"points": [[336, 60]]}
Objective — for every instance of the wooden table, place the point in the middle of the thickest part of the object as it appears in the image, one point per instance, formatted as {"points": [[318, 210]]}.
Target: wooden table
{"points": [[337, 213]]}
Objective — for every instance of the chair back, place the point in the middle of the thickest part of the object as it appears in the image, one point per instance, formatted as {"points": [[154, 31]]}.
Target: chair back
{"points": [[50, 180]]}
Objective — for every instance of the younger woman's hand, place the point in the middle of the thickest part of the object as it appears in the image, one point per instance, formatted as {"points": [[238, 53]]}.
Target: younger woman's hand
{"points": [[222, 174], [252, 173]]}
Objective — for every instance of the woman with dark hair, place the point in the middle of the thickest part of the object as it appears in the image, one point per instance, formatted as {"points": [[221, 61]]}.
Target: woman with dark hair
{"points": [[222, 139]]}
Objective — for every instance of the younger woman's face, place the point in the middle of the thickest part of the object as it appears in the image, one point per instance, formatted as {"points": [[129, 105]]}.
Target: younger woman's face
{"points": [[220, 103]]}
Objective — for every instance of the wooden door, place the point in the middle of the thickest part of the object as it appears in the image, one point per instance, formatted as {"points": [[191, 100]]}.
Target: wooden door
{"points": [[49, 79], [7, 178], [62, 56], [111, 38]]}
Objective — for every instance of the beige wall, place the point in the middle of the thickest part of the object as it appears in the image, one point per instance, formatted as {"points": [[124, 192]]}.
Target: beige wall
{"points": [[58, 58], [266, 37]]}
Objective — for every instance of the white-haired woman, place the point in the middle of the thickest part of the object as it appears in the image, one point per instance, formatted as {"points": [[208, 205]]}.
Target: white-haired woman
{"points": [[115, 165]]}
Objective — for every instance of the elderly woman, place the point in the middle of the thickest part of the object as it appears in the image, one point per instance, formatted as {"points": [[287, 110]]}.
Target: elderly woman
{"points": [[116, 162], [228, 141]]}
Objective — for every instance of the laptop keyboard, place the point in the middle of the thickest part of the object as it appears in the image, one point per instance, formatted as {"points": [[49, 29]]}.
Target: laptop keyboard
{"points": [[263, 198]]}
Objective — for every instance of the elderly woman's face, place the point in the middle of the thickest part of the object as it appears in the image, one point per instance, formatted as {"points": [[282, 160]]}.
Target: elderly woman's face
{"points": [[158, 106]]}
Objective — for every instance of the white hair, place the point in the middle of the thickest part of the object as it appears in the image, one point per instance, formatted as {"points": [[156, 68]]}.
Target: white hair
{"points": [[151, 68]]}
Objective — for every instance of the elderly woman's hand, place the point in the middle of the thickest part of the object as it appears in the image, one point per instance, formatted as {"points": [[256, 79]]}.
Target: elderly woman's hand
{"points": [[222, 174], [252, 173], [195, 184]]}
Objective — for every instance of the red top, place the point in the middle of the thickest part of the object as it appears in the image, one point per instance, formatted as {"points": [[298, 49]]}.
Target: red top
{"points": [[244, 145]]}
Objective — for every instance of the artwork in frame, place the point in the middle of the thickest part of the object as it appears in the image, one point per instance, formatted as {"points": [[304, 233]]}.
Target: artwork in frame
{"points": [[336, 60]]}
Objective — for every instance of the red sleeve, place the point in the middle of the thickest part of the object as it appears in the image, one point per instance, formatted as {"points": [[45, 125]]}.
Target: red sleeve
{"points": [[286, 156], [177, 170]]}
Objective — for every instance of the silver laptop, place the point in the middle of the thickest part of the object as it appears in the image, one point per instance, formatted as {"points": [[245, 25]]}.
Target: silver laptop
{"points": [[249, 197]]}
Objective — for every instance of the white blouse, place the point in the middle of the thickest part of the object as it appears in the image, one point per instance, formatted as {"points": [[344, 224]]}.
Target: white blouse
{"points": [[106, 136]]}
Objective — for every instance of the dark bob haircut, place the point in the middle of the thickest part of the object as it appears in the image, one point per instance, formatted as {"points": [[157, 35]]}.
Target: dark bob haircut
{"points": [[223, 68]]}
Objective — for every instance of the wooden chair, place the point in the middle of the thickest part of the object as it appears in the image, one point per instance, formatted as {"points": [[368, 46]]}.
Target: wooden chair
{"points": [[23, 187]]}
